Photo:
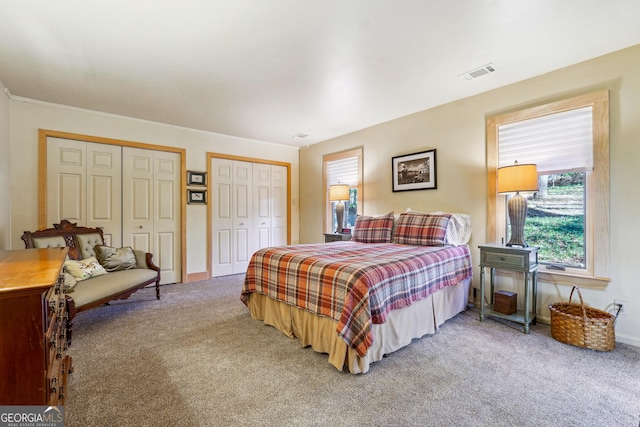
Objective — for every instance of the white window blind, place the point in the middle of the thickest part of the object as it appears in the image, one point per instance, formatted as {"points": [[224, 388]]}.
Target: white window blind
{"points": [[559, 142], [343, 171]]}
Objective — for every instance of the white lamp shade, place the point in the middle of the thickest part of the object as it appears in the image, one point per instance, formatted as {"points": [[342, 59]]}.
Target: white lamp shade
{"points": [[515, 178], [338, 192]]}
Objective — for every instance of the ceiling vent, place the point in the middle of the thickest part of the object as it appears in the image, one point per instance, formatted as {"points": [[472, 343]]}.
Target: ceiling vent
{"points": [[300, 135], [478, 72]]}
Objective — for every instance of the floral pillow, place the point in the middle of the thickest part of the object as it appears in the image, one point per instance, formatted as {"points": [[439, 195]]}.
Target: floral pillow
{"points": [[422, 229], [373, 229], [84, 269]]}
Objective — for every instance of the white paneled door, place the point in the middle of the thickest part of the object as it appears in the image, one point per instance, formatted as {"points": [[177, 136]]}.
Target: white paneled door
{"points": [[83, 186], [242, 199], [221, 216], [132, 193], [151, 207], [278, 202], [232, 216], [249, 212], [262, 204]]}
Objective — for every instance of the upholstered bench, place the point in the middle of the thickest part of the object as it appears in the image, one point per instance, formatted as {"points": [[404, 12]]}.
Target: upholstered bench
{"points": [[99, 286]]}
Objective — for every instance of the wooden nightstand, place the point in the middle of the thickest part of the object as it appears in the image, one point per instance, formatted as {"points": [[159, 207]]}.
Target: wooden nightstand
{"points": [[524, 260], [336, 237]]}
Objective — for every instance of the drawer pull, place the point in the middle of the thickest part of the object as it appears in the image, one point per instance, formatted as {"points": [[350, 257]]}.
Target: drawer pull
{"points": [[502, 258]]}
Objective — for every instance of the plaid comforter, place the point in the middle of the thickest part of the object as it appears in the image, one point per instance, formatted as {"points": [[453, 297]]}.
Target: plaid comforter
{"points": [[355, 284]]}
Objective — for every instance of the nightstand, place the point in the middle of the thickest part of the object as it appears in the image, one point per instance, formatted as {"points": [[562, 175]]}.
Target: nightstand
{"points": [[524, 260], [336, 237]]}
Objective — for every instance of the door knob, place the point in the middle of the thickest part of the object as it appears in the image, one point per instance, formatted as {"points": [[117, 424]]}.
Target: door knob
{"points": [[140, 226]]}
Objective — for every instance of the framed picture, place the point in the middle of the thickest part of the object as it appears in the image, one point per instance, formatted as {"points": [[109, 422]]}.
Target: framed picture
{"points": [[197, 197], [415, 171], [196, 178]]}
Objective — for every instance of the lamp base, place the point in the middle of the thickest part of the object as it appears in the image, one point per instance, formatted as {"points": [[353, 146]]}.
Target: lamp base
{"points": [[517, 208], [339, 216]]}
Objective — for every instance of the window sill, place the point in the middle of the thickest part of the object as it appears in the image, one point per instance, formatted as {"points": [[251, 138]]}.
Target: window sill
{"points": [[564, 278]]}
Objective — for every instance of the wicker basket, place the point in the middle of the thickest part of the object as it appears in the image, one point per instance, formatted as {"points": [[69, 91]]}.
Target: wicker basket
{"points": [[586, 327]]}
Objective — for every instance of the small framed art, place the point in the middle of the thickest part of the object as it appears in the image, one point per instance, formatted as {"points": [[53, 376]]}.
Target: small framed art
{"points": [[198, 197], [416, 171], [196, 178]]}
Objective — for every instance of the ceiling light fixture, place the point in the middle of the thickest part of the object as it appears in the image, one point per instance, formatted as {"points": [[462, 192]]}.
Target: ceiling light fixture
{"points": [[478, 72]]}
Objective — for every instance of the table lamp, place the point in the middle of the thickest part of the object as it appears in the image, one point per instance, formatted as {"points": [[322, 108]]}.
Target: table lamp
{"points": [[513, 179], [338, 193]]}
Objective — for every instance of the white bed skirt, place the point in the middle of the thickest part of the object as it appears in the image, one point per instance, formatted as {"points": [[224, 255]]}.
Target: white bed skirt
{"points": [[421, 318]]}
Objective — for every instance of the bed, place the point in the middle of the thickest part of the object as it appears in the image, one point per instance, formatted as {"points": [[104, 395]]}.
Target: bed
{"points": [[399, 278]]}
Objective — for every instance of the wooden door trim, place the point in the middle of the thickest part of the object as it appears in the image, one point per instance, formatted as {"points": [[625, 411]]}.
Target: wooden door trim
{"points": [[44, 134], [211, 156]]}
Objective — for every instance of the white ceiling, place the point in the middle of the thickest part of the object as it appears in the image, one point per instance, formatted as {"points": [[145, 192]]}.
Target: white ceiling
{"points": [[270, 69]]}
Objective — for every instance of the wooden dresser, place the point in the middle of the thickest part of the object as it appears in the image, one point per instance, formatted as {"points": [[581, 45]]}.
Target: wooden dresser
{"points": [[34, 364]]}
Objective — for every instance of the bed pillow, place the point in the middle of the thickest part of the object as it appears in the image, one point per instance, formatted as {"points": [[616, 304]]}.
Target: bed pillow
{"points": [[373, 229], [422, 229], [84, 269], [458, 229], [115, 259]]}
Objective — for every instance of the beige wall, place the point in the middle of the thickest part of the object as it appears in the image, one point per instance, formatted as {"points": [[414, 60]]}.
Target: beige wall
{"points": [[457, 131], [28, 116], [5, 172]]}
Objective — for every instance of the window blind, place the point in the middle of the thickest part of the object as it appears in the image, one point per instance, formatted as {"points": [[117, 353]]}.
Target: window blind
{"points": [[559, 142], [343, 171]]}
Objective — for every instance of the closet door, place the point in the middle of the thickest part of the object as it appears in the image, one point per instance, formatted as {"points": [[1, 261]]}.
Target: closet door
{"points": [[167, 215], [138, 199], [66, 181], [221, 216], [242, 213], [104, 188], [83, 185], [278, 209], [232, 216], [150, 207], [262, 205]]}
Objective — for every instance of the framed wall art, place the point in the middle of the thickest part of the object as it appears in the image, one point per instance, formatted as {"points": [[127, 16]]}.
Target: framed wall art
{"points": [[415, 171], [198, 197], [196, 178]]}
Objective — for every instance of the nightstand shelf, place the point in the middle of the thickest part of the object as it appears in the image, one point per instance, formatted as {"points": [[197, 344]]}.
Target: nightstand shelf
{"points": [[524, 260]]}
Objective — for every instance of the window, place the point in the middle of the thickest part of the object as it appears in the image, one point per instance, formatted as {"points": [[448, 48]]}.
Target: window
{"points": [[343, 168], [568, 217]]}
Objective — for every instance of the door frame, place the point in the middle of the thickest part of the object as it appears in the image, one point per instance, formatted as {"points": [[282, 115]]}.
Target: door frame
{"points": [[44, 134], [211, 155]]}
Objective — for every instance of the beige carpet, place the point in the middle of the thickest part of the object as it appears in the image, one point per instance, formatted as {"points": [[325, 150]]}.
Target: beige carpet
{"points": [[196, 358]]}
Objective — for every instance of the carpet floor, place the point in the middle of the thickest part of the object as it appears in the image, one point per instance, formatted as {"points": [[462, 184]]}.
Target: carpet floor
{"points": [[196, 358]]}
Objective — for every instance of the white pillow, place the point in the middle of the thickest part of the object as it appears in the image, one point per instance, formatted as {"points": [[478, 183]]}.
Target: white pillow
{"points": [[458, 229]]}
